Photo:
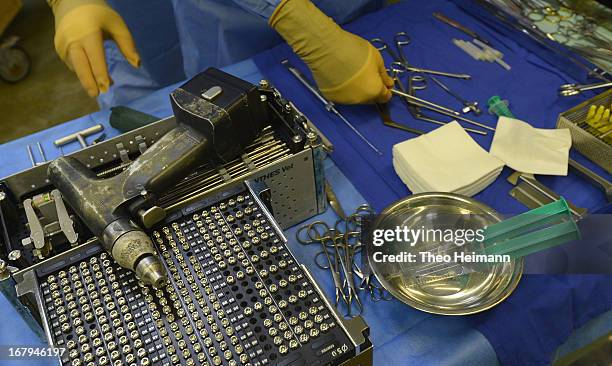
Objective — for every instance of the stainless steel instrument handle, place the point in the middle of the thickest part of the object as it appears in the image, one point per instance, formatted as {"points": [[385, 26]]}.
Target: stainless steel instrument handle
{"points": [[568, 90], [439, 73], [593, 177]]}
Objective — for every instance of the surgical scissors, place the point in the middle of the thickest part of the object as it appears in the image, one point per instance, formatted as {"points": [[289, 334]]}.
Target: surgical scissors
{"points": [[377, 292], [352, 229], [402, 39], [311, 230]]}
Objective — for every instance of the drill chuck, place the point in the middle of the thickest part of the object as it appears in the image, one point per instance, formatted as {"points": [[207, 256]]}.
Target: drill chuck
{"points": [[133, 249]]}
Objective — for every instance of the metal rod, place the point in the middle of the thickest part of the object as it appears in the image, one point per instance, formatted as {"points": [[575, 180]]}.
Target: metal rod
{"points": [[568, 90], [417, 113], [448, 90], [439, 73], [329, 106], [535, 184], [438, 110], [31, 155], [80, 136], [455, 24], [41, 151], [605, 134], [346, 122], [383, 46], [201, 183], [455, 116], [423, 101], [431, 120]]}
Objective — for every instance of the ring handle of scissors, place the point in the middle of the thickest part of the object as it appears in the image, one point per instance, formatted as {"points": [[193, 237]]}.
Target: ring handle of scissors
{"points": [[402, 39], [302, 238], [317, 261], [418, 82], [319, 235], [398, 67], [379, 44]]}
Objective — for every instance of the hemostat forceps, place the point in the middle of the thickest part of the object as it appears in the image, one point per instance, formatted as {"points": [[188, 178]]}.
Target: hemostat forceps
{"points": [[402, 39], [344, 253], [339, 246], [320, 232], [346, 260]]}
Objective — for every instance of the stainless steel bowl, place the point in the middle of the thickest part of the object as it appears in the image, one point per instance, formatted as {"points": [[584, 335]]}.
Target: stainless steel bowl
{"points": [[464, 294]]}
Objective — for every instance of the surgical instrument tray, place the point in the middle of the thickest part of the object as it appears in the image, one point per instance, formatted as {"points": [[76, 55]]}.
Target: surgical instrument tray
{"points": [[37, 226], [587, 140], [235, 296]]}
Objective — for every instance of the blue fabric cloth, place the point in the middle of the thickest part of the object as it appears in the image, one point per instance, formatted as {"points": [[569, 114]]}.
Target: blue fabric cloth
{"points": [[531, 88], [184, 37], [263, 8], [401, 335], [154, 30], [218, 32], [531, 323], [15, 332]]}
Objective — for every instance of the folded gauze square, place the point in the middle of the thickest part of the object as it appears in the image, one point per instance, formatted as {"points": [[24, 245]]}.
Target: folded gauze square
{"points": [[445, 160], [531, 150]]}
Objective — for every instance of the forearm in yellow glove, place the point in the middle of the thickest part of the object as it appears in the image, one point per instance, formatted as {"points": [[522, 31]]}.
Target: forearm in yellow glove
{"points": [[346, 67], [80, 29]]}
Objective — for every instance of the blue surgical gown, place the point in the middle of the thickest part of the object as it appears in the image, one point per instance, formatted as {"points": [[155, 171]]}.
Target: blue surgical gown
{"points": [[178, 39]]}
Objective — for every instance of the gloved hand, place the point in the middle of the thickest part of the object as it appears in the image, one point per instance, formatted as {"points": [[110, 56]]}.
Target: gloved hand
{"points": [[346, 67], [80, 28]]}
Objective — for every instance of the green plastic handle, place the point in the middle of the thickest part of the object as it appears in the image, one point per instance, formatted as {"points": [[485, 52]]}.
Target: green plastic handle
{"points": [[532, 231], [499, 107]]}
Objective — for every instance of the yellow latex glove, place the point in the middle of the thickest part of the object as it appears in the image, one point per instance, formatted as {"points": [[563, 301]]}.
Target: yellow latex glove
{"points": [[80, 29], [346, 67]]}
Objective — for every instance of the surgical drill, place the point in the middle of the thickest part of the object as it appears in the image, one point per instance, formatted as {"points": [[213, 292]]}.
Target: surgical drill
{"points": [[217, 116]]}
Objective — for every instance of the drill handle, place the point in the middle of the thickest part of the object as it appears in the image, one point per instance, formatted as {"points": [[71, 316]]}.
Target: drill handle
{"points": [[166, 162]]}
